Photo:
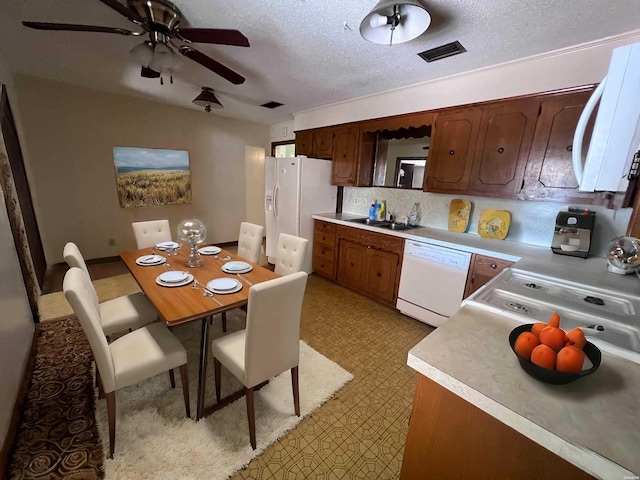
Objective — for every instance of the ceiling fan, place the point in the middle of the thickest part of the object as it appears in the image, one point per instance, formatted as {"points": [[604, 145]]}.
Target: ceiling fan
{"points": [[161, 20]]}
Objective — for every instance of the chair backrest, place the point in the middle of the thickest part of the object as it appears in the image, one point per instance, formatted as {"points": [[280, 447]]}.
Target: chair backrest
{"points": [[78, 290], [250, 241], [291, 254], [272, 338], [74, 258], [149, 233]]}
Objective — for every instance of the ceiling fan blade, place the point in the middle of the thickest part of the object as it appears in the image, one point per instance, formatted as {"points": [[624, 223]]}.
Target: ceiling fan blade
{"points": [[214, 35], [124, 10], [75, 28], [212, 65]]}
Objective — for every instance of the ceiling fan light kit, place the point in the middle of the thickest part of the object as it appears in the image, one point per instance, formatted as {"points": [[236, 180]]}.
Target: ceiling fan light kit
{"points": [[207, 99], [395, 21]]}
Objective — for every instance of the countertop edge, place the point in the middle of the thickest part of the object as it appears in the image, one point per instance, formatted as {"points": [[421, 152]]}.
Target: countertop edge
{"points": [[585, 459]]}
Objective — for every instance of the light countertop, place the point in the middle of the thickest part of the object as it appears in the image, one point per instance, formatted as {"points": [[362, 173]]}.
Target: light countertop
{"points": [[593, 422]]}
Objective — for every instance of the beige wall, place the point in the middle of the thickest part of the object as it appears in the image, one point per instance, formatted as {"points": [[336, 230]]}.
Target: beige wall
{"points": [[16, 324], [69, 133]]}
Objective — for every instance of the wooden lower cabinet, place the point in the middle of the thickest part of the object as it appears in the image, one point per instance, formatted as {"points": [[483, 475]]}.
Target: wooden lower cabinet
{"points": [[369, 263], [481, 270], [324, 248], [449, 438]]}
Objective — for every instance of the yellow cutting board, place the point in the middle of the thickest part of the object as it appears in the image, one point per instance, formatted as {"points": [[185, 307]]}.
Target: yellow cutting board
{"points": [[459, 212], [494, 224]]}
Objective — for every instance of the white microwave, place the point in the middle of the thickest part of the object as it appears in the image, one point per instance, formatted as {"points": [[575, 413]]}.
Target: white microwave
{"points": [[616, 132]]}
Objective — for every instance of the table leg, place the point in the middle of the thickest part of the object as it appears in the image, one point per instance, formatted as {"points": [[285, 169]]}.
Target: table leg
{"points": [[204, 352]]}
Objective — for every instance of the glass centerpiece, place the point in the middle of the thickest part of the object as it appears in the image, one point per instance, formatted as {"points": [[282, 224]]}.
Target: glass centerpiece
{"points": [[192, 232]]}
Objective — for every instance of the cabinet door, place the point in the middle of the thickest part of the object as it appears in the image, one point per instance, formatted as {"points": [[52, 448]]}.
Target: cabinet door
{"points": [[345, 156], [304, 142], [452, 150], [381, 271], [322, 143], [504, 141], [550, 169], [481, 270], [352, 264]]}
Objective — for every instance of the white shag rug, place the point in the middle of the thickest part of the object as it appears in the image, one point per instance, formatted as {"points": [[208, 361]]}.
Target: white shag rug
{"points": [[154, 439]]}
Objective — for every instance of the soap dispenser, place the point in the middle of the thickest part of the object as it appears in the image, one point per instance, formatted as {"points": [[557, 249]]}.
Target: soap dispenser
{"points": [[416, 215]]}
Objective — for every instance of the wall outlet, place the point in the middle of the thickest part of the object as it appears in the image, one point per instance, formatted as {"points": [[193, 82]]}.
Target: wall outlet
{"points": [[356, 201]]}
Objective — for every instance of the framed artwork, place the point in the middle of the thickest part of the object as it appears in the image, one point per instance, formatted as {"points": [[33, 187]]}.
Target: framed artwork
{"points": [[150, 177]]}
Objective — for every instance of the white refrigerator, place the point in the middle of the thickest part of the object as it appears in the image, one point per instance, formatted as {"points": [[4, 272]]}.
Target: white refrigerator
{"points": [[296, 188]]}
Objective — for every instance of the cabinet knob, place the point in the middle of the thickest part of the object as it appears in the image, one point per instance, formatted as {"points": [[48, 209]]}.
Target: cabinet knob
{"points": [[378, 274], [569, 148], [500, 150], [493, 266], [452, 152], [352, 264]]}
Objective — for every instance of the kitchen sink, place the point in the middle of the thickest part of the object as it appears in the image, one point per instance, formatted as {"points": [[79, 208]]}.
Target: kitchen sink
{"points": [[383, 224]]}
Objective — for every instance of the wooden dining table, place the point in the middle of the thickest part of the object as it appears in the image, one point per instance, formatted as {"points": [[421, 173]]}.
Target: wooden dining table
{"points": [[177, 305]]}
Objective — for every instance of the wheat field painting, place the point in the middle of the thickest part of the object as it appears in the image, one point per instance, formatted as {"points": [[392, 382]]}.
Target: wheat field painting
{"points": [[148, 176]]}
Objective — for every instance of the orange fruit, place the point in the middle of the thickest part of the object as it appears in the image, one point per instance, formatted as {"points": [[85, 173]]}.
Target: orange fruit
{"points": [[553, 337], [570, 360], [525, 343], [544, 357], [537, 328], [554, 320], [576, 338]]}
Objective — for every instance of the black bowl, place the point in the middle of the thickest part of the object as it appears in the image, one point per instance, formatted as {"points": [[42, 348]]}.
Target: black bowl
{"points": [[553, 376]]}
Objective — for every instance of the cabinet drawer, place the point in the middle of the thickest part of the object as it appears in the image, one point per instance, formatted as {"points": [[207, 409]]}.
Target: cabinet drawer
{"points": [[324, 252], [328, 239], [324, 227], [387, 243], [323, 266], [489, 265]]}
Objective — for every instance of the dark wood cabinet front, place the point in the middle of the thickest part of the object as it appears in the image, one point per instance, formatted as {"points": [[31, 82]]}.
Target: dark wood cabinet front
{"points": [[504, 141], [481, 270], [316, 143], [304, 142], [549, 173], [324, 248], [345, 156], [452, 150]]}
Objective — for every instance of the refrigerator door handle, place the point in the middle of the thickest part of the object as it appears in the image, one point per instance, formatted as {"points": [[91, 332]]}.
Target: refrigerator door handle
{"points": [[275, 201]]}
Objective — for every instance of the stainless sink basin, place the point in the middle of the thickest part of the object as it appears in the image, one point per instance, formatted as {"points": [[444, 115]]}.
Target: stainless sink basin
{"points": [[383, 224]]}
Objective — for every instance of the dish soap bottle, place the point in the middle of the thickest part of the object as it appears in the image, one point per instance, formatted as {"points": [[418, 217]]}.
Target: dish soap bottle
{"points": [[416, 215], [382, 214], [372, 211]]}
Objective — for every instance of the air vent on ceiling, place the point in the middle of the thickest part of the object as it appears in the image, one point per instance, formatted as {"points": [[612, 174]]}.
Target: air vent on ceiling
{"points": [[272, 105], [442, 51]]}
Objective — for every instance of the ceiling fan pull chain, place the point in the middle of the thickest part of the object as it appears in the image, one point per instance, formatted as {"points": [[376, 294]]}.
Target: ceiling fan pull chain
{"points": [[161, 81]]}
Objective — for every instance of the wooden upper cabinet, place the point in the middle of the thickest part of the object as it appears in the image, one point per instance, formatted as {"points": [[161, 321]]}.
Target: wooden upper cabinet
{"points": [[502, 149], [304, 142], [452, 150], [549, 172], [317, 142], [353, 155]]}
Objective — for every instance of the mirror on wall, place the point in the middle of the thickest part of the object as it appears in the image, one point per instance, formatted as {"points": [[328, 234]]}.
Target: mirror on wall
{"points": [[401, 157]]}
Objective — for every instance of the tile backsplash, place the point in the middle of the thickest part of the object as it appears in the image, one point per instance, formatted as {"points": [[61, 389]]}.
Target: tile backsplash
{"points": [[531, 222]]}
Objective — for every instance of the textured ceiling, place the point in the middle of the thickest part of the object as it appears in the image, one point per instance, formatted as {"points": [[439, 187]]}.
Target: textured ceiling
{"points": [[304, 53]]}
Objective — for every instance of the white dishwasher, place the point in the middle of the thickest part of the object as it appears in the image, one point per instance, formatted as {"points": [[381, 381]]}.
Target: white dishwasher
{"points": [[432, 281]]}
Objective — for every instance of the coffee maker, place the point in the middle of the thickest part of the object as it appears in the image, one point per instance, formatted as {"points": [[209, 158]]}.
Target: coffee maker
{"points": [[573, 232]]}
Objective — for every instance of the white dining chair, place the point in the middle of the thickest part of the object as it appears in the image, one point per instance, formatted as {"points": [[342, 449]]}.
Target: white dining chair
{"points": [[291, 254], [122, 313], [151, 232], [250, 241], [249, 246], [133, 357], [270, 343]]}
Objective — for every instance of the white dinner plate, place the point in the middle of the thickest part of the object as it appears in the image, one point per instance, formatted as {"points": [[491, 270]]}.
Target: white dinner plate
{"points": [[186, 281], [173, 277], [148, 260], [209, 250], [236, 266], [233, 272], [167, 245], [214, 285]]}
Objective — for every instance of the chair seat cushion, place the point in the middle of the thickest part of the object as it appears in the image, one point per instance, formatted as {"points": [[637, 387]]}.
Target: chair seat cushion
{"points": [[144, 353], [229, 350], [129, 311]]}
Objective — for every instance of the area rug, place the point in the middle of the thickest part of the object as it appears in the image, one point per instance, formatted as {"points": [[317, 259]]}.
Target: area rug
{"points": [[54, 306], [154, 439], [57, 436]]}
